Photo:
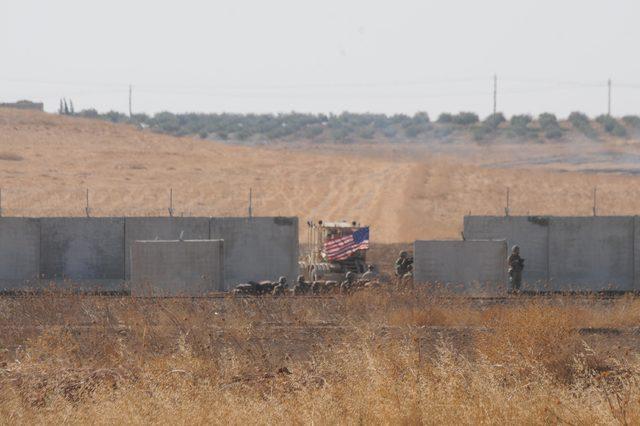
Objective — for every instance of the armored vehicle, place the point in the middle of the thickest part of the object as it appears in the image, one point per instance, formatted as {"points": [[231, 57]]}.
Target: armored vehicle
{"points": [[333, 249]]}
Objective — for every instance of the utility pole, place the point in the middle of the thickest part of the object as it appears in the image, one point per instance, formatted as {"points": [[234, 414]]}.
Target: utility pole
{"points": [[130, 89], [609, 97], [250, 202], [87, 209], [506, 209], [495, 94], [171, 202], [595, 200]]}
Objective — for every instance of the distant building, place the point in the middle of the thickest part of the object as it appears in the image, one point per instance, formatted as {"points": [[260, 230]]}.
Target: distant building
{"points": [[39, 106]]}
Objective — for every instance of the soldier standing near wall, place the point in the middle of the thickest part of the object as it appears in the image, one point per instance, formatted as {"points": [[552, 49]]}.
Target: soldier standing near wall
{"points": [[402, 264], [516, 265]]}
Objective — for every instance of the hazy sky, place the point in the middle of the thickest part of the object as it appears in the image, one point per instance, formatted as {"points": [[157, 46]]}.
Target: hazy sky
{"points": [[323, 56]]}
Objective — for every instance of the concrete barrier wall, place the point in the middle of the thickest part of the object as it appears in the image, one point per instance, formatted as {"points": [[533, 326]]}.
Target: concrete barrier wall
{"points": [[94, 253], [161, 228], [476, 267], [19, 252], [578, 253], [591, 253], [531, 233], [88, 251], [174, 268], [257, 248]]}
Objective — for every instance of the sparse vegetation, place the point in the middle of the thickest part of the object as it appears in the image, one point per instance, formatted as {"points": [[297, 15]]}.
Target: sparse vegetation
{"points": [[494, 120], [349, 127], [372, 358], [519, 124], [632, 121], [549, 125], [581, 122], [612, 126], [445, 118], [465, 118]]}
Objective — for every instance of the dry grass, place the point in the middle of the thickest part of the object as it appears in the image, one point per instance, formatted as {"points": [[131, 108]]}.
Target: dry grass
{"points": [[374, 357], [403, 192]]}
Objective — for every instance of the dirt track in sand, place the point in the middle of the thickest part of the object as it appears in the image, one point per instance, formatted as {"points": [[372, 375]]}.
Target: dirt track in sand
{"points": [[47, 162]]}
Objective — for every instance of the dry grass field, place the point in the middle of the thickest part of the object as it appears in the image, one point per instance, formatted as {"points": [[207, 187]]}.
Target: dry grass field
{"points": [[376, 357], [381, 356], [404, 193]]}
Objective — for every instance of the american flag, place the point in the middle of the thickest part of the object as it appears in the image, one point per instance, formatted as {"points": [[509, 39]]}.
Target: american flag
{"points": [[340, 248]]}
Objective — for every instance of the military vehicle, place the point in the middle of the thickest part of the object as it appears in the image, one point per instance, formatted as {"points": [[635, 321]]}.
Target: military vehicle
{"points": [[322, 261]]}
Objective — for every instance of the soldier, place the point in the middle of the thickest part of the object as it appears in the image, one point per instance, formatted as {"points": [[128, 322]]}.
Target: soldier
{"points": [[301, 287], [516, 265], [347, 284], [402, 264], [370, 274], [281, 286]]}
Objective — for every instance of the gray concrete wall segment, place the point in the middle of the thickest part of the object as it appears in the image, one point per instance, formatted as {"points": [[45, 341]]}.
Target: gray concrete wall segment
{"points": [[472, 266], [257, 248], [19, 252], [162, 228], [591, 253], [174, 268], [531, 233], [82, 249]]}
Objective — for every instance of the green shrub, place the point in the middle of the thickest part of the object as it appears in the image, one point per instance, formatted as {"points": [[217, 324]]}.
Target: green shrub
{"points": [[549, 125], [367, 133], [390, 131], [520, 120], [519, 125], [465, 118], [340, 133], [553, 133], [547, 120], [116, 117], [578, 119], [494, 120], [89, 113], [414, 130], [632, 121], [612, 126], [581, 122], [443, 132], [313, 131], [420, 119], [445, 118], [481, 132]]}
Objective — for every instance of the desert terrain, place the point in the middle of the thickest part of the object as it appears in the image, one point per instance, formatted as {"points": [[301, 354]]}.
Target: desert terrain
{"points": [[47, 162]]}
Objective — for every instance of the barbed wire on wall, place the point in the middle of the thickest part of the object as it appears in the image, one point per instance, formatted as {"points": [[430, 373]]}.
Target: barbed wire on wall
{"points": [[78, 203]]}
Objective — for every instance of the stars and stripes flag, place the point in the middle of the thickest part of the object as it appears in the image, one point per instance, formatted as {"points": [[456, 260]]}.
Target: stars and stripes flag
{"points": [[340, 248]]}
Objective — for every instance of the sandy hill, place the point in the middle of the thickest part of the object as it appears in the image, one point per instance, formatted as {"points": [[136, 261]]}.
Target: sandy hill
{"points": [[48, 161]]}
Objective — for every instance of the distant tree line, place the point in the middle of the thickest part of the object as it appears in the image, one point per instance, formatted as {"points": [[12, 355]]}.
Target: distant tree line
{"points": [[350, 127]]}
